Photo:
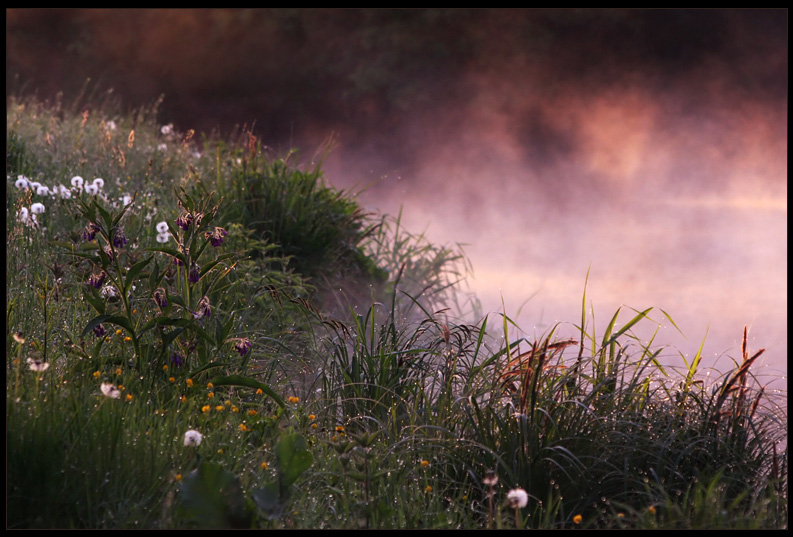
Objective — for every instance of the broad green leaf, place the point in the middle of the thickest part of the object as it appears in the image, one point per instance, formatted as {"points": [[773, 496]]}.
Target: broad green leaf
{"points": [[211, 497]]}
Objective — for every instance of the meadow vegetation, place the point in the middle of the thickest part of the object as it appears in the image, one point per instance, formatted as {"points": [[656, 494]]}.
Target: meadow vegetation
{"points": [[203, 334]]}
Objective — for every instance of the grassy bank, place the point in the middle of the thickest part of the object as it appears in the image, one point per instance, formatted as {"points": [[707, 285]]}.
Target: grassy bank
{"points": [[203, 334]]}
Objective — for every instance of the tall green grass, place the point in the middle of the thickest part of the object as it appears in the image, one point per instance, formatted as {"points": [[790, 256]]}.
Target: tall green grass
{"points": [[389, 404]]}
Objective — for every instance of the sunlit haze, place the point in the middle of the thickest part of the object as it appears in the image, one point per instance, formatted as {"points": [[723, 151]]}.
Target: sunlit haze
{"points": [[647, 148]]}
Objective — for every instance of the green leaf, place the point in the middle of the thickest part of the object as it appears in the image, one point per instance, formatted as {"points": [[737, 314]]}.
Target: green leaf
{"points": [[91, 295], [268, 499], [212, 497], [239, 380], [134, 271], [123, 322], [294, 458]]}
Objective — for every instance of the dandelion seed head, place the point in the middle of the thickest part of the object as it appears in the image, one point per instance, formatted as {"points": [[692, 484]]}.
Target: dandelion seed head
{"points": [[162, 227], [22, 183], [38, 365], [99, 183], [91, 189], [517, 498], [77, 182], [37, 208], [490, 478], [109, 390], [64, 192], [192, 438]]}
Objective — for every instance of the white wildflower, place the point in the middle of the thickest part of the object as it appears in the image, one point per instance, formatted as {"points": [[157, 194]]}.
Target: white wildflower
{"points": [[42, 190], [77, 182], [38, 365], [91, 189], [167, 129], [22, 183], [162, 227], [162, 147], [192, 438], [517, 498], [64, 192], [126, 199], [35, 185], [110, 125], [108, 291], [37, 208], [99, 182], [110, 391], [162, 238]]}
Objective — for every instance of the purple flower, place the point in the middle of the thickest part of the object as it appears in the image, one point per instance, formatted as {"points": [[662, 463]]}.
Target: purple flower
{"points": [[89, 233], [216, 237], [119, 240], [203, 309], [97, 279], [243, 346], [184, 220], [99, 330], [159, 298], [194, 275], [177, 360]]}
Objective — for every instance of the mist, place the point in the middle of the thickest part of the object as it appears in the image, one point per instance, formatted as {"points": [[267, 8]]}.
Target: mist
{"points": [[645, 148]]}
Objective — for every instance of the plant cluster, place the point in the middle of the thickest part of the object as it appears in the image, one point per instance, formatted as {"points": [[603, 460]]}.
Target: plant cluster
{"points": [[175, 359]]}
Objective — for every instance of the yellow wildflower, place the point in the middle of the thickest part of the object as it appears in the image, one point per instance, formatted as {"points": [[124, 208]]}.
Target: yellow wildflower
{"points": [[252, 413], [211, 395], [293, 399], [97, 374], [210, 386], [577, 519], [129, 397], [189, 383], [171, 380], [259, 391], [425, 463], [178, 477], [243, 427], [220, 408], [205, 409], [264, 465]]}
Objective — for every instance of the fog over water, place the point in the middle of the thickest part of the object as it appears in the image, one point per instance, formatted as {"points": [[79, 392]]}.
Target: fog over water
{"points": [[648, 147]]}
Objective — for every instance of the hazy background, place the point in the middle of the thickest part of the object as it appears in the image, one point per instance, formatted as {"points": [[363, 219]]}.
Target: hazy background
{"points": [[649, 145]]}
